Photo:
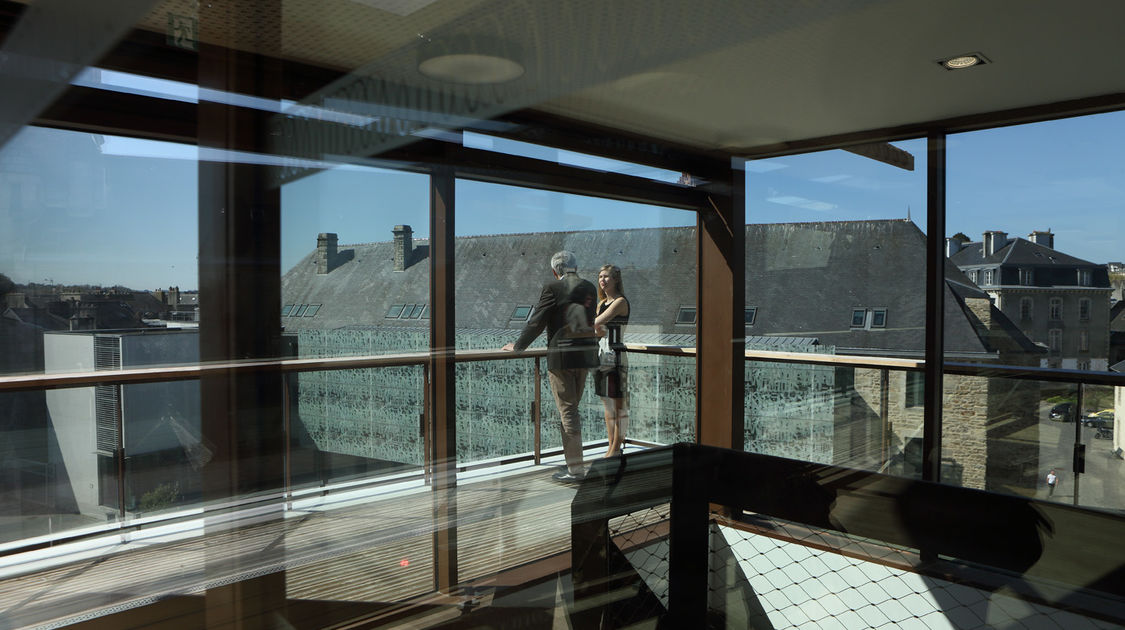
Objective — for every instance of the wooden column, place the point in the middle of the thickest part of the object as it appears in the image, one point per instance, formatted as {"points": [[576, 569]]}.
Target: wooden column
{"points": [[442, 384], [240, 291], [720, 329]]}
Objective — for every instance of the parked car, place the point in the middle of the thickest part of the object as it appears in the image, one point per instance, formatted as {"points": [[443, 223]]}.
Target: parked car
{"points": [[1062, 412], [1100, 420]]}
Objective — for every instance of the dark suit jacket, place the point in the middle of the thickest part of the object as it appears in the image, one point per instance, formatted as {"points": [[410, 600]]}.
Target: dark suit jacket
{"points": [[550, 313]]}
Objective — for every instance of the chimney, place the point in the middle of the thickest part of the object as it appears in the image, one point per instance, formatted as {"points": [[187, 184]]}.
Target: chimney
{"points": [[325, 252], [952, 246], [994, 241], [1045, 239], [404, 246]]}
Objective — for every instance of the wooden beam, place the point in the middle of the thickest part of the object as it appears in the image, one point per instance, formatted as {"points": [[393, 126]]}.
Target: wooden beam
{"points": [[720, 278], [443, 389]]}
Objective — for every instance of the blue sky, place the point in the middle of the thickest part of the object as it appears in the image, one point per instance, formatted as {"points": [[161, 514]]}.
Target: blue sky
{"points": [[77, 208]]}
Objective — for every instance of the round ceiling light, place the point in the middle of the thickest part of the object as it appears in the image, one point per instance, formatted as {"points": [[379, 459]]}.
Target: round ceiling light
{"points": [[961, 62], [476, 60], [470, 68]]}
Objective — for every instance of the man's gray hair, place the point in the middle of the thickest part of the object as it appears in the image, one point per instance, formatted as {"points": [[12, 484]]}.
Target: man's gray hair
{"points": [[563, 262]]}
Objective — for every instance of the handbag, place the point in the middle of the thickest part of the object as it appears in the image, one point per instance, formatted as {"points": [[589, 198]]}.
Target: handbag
{"points": [[607, 356]]}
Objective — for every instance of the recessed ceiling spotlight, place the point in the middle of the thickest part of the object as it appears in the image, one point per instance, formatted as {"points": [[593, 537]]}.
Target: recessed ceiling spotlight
{"points": [[960, 62], [468, 59]]}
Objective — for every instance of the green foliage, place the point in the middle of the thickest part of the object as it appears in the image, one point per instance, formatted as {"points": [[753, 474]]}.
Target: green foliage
{"points": [[161, 497]]}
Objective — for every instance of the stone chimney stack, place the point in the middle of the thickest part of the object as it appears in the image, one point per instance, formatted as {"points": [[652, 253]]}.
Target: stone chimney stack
{"points": [[994, 241], [1045, 239], [952, 246], [326, 243], [404, 246]]}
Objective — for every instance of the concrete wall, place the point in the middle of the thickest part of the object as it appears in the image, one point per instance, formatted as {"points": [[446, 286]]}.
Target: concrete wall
{"points": [[72, 418]]}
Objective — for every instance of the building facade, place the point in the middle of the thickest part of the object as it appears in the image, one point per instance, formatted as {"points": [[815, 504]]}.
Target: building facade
{"points": [[1057, 300]]}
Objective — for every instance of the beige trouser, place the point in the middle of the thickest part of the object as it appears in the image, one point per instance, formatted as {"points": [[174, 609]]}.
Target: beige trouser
{"points": [[567, 386]]}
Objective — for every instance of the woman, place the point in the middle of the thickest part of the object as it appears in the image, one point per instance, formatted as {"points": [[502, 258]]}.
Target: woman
{"points": [[609, 380]]}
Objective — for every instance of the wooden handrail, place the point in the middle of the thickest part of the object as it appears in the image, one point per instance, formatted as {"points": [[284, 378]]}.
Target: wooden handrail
{"points": [[62, 380]]}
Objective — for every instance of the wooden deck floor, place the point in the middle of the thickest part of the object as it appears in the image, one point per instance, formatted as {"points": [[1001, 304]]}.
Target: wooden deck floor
{"points": [[377, 549]]}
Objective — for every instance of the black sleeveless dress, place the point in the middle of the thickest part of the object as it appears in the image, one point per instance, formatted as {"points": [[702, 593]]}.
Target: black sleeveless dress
{"points": [[610, 382]]}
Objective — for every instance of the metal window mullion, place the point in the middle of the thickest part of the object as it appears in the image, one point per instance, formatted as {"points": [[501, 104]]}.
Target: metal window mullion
{"points": [[935, 297]]}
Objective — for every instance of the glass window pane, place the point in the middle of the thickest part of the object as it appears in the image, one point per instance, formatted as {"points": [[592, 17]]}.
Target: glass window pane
{"points": [[1062, 321], [835, 261], [501, 274], [360, 273]]}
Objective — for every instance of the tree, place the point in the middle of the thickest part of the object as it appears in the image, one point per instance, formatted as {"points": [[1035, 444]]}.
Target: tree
{"points": [[961, 237]]}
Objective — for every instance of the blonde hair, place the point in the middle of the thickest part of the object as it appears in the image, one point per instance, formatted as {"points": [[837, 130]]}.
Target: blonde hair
{"points": [[615, 276]]}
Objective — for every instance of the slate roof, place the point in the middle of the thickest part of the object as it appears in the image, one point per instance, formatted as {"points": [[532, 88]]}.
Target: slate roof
{"points": [[1117, 316], [1053, 268], [494, 275], [803, 278]]}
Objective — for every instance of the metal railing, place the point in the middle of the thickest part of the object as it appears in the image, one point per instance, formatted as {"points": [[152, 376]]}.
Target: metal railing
{"points": [[282, 367]]}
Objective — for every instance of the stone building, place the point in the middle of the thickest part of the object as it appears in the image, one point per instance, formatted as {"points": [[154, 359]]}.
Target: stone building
{"points": [[1056, 299]]}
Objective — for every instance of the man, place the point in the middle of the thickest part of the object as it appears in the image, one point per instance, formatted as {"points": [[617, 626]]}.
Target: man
{"points": [[1052, 481], [570, 352]]}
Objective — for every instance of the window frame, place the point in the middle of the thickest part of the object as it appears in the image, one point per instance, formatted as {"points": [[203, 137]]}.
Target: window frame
{"points": [[1054, 309]]}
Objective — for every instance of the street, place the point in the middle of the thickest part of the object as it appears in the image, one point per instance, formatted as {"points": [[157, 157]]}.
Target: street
{"points": [[1101, 486]]}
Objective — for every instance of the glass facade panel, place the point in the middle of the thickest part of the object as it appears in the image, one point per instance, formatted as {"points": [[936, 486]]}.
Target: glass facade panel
{"points": [[835, 260], [1005, 196], [500, 274]]}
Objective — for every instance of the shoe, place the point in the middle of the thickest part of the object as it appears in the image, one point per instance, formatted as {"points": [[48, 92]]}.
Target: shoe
{"points": [[566, 476]]}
